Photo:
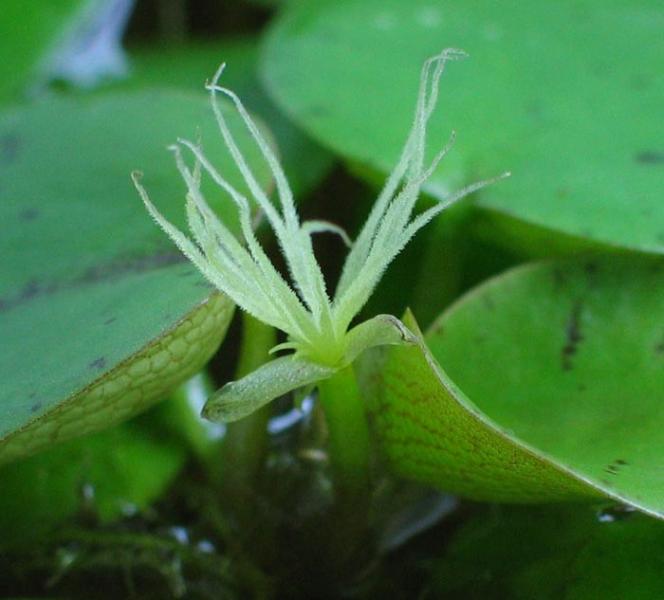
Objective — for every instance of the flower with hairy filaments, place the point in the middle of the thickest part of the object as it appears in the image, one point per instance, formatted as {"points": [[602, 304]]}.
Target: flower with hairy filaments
{"points": [[318, 326]]}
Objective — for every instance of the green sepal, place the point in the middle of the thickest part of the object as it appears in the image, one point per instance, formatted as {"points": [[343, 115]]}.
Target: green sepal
{"points": [[239, 399], [381, 330]]}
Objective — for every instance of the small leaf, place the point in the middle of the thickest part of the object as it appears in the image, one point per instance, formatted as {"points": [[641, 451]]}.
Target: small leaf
{"points": [[382, 330], [543, 384], [238, 399]]}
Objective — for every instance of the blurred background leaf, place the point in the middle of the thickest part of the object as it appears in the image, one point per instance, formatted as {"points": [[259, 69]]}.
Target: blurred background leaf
{"points": [[569, 100], [188, 66]]}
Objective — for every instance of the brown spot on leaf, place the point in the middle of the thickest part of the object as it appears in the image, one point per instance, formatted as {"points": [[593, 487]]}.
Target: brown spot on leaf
{"points": [[28, 214], [35, 407], [10, 146], [488, 302], [590, 268], [138, 264], [659, 346], [98, 363], [30, 290], [615, 466], [438, 330], [650, 157], [573, 336], [110, 320], [110, 271]]}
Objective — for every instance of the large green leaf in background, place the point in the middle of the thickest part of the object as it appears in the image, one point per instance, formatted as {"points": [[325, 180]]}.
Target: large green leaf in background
{"points": [[567, 96], [29, 29], [565, 553], [545, 383], [189, 66], [99, 313]]}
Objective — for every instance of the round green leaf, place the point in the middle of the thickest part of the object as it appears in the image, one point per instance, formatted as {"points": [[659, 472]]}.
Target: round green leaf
{"points": [[100, 315], [569, 100], [543, 384], [553, 553]]}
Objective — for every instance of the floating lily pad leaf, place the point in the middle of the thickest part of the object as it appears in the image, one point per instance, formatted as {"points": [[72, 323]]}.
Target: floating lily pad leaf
{"points": [[27, 34], [569, 100], [188, 67], [543, 384], [99, 314], [554, 553], [105, 475]]}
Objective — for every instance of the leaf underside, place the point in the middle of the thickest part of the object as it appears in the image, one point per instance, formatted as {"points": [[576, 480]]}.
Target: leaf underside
{"points": [[543, 384]]}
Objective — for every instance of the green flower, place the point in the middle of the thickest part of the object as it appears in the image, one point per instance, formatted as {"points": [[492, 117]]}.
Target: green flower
{"points": [[318, 327]]}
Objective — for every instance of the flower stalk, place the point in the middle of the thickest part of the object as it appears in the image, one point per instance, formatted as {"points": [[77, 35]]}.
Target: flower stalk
{"points": [[348, 433]]}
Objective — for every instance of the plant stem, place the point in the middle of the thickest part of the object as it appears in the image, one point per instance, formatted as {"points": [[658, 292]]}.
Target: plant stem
{"points": [[348, 538], [348, 433], [246, 440]]}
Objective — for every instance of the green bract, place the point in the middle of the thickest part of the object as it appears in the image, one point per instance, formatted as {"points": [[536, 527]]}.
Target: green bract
{"points": [[317, 327]]}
